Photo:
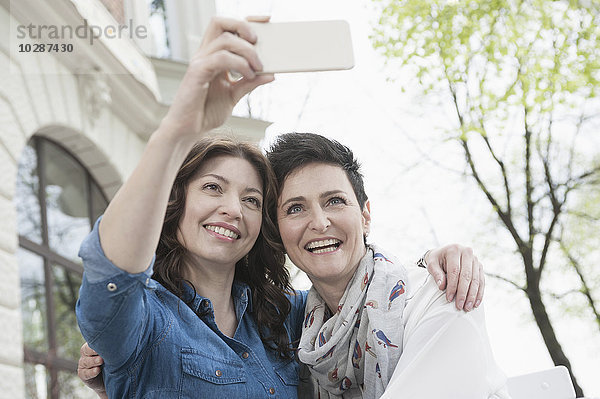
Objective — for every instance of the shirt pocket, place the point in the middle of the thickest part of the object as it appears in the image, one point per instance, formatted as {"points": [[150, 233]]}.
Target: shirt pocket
{"points": [[215, 377], [288, 372]]}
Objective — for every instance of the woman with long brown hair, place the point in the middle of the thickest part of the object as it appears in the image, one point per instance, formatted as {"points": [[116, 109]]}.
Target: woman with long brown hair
{"points": [[184, 284]]}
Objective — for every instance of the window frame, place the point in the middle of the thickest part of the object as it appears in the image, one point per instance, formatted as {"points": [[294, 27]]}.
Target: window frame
{"points": [[50, 360]]}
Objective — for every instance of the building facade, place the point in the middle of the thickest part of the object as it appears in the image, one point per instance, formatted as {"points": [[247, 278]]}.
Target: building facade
{"points": [[74, 119]]}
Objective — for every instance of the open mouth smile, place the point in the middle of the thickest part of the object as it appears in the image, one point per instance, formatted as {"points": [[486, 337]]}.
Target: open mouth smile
{"points": [[323, 246], [222, 231]]}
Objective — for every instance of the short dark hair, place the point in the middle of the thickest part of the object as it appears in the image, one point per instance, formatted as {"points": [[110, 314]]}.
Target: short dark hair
{"points": [[291, 151]]}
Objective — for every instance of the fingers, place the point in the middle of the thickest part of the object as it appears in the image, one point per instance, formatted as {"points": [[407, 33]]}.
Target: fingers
{"points": [[226, 47], [223, 60], [258, 18], [86, 374], [236, 45], [244, 86], [87, 351], [218, 25], [479, 296], [474, 287], [453, 271], [465, 277], [89, 363], [435, 269]]}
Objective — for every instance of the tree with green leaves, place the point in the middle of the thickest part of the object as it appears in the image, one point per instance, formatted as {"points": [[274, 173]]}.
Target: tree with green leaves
{"points": [[521, 78]]}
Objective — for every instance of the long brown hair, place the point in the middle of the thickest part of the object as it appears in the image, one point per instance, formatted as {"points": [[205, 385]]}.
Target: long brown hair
{"points": [[264, 271]]}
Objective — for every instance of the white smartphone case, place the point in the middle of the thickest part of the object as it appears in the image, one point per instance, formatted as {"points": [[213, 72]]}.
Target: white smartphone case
{"points": [[304, 46], [554, 383]]}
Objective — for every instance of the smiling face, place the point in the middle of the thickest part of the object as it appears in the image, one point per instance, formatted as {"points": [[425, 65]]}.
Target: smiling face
{"points": [[321, 223], [223, 211]]}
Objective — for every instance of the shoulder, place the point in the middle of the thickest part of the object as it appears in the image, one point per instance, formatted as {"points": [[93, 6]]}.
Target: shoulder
{"points": [[427, 305], [297, 299], [294, 321]]}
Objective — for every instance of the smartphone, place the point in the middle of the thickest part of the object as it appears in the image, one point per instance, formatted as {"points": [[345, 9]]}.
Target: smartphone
{"points": [[554, 383], [304, 46]]}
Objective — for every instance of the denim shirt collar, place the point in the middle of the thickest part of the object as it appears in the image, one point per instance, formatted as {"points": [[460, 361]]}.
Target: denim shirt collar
{"points": [[242, 299]]}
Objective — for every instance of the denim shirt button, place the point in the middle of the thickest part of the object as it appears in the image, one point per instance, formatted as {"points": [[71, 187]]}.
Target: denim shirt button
{"points": [[271, 391], [111, 287], [204, 303], [218, 373], [245, 355]]}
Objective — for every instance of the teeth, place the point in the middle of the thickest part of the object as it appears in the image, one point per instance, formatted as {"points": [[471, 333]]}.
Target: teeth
{"points": [[324, 250], [323, 243], [222, 230]]}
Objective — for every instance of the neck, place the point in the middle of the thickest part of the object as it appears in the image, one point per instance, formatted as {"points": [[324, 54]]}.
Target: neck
{"points": [[215, 283], [332, 291]]}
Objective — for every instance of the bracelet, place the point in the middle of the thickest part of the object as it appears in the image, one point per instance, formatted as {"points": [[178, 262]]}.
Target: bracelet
{"points": [[422, 262]]}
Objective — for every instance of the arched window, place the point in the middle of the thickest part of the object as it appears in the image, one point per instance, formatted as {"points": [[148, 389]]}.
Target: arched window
{"points": [[57, 201]]}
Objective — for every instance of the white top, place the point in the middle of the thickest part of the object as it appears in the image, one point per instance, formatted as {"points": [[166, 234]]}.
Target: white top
{"points": [[446, 352]]}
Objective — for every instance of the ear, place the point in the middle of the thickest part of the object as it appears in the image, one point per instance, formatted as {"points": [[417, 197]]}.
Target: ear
{"points": [[366, 214]]}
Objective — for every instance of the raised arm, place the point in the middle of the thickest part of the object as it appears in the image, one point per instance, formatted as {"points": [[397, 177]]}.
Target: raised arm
{"points": [[112, 312], [131, 226]]}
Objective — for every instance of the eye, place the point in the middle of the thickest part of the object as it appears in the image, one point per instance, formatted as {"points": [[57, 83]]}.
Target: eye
{"points": [[254, 201], [336, 201], [212, 187], [293, 209]]}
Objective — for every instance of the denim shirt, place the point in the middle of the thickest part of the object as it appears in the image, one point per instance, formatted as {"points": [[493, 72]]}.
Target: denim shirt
{"points": [[156, 346]]}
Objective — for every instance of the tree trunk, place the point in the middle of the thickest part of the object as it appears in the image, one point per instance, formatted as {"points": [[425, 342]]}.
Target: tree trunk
{"points": [[547, 331]]}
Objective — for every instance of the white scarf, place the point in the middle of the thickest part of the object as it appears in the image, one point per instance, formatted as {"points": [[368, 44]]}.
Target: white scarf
{"points": [[356, 350]]}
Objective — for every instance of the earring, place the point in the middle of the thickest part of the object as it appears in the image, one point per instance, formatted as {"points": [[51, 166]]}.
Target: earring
{"points": [[246, 262]]}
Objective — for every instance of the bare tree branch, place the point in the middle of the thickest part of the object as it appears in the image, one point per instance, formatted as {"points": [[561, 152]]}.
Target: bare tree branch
{"points": [[585, 288], [564, 294], [583, 215], [528, 199], [578, 126], [463, 140], [576, 181], [557, 204], [506, 280]]}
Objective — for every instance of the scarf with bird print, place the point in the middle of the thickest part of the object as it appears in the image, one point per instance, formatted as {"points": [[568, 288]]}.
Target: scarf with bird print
{"points": [[354, 352]]}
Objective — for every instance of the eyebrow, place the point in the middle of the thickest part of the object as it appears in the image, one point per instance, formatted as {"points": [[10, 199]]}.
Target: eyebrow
{"points": [[226, 181], [330, 192], [293, 199], [253, 190], [321, 196], [218, 177]]}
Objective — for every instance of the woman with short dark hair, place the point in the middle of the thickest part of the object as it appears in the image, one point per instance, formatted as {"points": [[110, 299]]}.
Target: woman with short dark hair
{"points": [[369, 329]]}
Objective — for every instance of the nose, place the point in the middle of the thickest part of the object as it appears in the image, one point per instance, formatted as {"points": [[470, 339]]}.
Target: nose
{"points": [[231, 207], [319, 221]]}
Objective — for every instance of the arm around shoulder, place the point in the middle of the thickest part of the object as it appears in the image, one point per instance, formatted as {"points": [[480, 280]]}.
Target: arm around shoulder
{"points": [[446, 352]]}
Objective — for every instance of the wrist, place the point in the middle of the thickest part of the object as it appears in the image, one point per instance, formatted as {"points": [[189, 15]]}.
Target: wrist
{"points": [[170, 135], [422, 262]]}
